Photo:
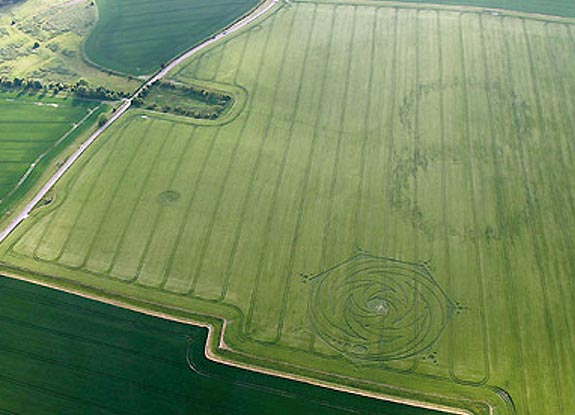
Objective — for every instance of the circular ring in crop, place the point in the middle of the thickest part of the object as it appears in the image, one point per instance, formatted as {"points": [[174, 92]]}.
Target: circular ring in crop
{"points": [[377, 309], [168, 197]]}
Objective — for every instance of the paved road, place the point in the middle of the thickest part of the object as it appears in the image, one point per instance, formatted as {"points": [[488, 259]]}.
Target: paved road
{"points": [[45, 153], [256, 13]]}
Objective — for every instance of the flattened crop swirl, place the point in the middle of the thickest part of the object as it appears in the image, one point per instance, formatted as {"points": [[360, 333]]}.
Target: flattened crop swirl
{"points": [[377, 309]]}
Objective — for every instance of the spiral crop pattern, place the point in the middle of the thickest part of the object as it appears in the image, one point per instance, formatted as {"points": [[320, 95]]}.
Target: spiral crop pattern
{"points": [[378, 309]]}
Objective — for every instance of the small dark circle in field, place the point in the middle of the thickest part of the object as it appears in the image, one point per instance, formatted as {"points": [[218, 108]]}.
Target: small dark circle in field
{"points": [[169, 197]]}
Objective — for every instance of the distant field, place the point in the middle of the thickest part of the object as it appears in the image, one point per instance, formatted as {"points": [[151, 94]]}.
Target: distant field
{"points": [[136, 36], [393, 209], [29, 127], [59, 27], [61, 354], [564, 8]]}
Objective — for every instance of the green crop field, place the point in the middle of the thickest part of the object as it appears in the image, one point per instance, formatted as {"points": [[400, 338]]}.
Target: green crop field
{"points": [[137, 36], [61, 354], [33, 127], [564, 8], [392, 210]]}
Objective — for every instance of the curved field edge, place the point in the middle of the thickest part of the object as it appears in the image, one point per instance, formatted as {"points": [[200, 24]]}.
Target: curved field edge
{"points": [[214, 314], [456, 6], [220, 348], [239, 100], [559, 8], [167, 51]]}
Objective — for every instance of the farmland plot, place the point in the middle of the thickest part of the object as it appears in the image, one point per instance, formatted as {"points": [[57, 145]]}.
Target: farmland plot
{"points": [[136, 37], [42, 39], [392, 210], [32, 130], [51, 340]]}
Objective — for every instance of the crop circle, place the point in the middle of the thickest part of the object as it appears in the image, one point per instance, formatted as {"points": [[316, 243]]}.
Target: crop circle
{"points": [[169, 197], [378, 309]]}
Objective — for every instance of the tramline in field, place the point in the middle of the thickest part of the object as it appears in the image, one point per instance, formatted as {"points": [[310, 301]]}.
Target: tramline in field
{"points": [[412, 164]]}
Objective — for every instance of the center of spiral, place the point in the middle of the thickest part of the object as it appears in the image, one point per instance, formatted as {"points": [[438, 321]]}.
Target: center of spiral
{"points": [[377, 305], [376, 309]]}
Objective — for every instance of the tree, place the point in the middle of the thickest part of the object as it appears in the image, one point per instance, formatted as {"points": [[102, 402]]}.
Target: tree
{"points": [[102, 119]]}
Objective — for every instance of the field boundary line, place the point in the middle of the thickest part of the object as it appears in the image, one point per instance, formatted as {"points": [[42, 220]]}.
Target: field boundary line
{"points": [[222, 52], [49, 223], [256, 11], [118, 245], [215, 342], [444, 193], [443, 7], [529, 200], [231, 258]]}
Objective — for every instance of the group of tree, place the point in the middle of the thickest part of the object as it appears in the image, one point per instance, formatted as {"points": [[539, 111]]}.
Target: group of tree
{"points": [[81, 89], [216, 101], [211, 97], [210, 113]]}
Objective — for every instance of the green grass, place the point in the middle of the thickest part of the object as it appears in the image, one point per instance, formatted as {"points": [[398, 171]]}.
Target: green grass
{"points": [[388, 161], [563, 8], [60, 27], [137, 36], [67, 355], [188, 101], [175, 98], [32, 126]]}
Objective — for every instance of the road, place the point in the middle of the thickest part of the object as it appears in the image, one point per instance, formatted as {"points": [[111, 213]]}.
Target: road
{"points": [[45, 153], [244, 21]]}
